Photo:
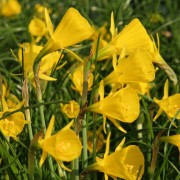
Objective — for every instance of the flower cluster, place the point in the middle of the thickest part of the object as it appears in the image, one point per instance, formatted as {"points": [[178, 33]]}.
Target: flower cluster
{"points": [[96, 93]]}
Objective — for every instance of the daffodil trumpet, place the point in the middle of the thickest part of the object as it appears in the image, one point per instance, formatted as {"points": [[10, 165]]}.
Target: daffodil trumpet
{"points": [[72, 29]]}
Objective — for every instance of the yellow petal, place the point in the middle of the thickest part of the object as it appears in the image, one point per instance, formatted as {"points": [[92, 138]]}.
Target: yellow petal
{"points": [[166, 89], [47, 78], [49, 24], [43, 158], [107, 145], [101, 90], [50, 127], [112, 28], [117, 124], [174, 139], [120, 146], [63, 166], [4, 104]]}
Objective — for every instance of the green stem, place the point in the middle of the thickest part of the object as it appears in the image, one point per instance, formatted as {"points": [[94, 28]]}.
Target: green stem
{"points": [[84, 136], [150, 135], [43, 124], [81, 121], [26, 104], [75, 174]]}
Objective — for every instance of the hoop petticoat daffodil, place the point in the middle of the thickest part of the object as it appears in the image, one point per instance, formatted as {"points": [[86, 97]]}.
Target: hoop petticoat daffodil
{"points": [[37, 27], [62, 146], [12, 124], [133, 36], [72, 29], [122, 105], [10, 8], [126, 163], [71, 110], [30, 52], [137, 67], [77, 79], [169, 104]]}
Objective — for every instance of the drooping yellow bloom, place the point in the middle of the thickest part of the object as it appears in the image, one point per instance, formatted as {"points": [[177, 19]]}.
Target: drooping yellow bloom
{"points": [[77, 79], [10, 8], [13, 124], [126, 163], [48, 62], [132, 36], [122, 105], [62, 146], [173, 139], [169, 104], [71, 110], [37, 27], [72, 29], [11, 100], [137, 67]]}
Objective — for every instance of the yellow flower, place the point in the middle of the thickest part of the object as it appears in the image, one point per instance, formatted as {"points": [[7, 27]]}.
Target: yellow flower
{"points": [[126, 163], [77, 79], [62, 146], [71, 110], [48, 62], [132, 36], [173, 139], [137, 67], [72, 29], [13, 124], [122, 105], [169, 104], [37, 27], [11, 100], [99, 140], [10, 8]]}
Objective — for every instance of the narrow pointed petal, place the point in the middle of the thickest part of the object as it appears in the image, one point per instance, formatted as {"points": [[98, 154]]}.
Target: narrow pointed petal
{"points": [[107, 145], [50, 127], [49, 24], [43, 158], [174, 139]]}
